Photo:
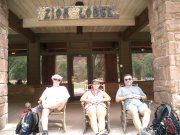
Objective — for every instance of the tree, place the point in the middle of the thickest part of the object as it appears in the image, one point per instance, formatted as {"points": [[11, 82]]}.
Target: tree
{"points": [[137, 67], [142, 65], [17, 67], [61, 66], [148, 65], [98, 66]]}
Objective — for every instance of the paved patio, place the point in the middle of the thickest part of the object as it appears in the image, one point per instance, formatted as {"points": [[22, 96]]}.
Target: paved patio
{"points": [[74, 119]]}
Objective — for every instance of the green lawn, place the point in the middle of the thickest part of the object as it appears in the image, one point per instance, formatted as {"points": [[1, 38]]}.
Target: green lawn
{"points": [[78, 85]]}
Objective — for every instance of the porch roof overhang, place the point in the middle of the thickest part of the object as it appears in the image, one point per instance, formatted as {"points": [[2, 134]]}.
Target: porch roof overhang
{"points": [[23, 19]]}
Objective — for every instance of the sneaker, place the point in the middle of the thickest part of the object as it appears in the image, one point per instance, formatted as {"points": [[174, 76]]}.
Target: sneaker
{"points": [[45, 132], [103, 132], [144, 131], [152, 132]]}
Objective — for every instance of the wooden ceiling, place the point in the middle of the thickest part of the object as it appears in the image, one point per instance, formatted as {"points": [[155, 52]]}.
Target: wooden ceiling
{"points": [[26, 10]]}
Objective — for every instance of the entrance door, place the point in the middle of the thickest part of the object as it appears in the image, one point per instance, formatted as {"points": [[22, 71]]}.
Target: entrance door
{"points": [[79, 74]]}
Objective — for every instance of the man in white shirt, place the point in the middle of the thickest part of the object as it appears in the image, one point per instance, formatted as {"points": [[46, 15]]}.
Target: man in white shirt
{"points": [[54, 97]]}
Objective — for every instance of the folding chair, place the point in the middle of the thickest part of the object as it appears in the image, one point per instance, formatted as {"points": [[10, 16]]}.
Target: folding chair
{"points": [[86, 121], [125, 116], [59, 118]]}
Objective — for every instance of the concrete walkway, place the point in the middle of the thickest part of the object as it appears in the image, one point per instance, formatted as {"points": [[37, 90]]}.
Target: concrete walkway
{"points": [[74, 120]]}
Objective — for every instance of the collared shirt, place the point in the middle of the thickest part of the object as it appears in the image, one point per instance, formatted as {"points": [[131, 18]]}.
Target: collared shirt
{"points": [[125, 91]]}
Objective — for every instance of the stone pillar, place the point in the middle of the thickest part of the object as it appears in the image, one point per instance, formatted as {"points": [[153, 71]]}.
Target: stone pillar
{"points": [[164, 17], [125, 59], [3, 63], [33, 63]]}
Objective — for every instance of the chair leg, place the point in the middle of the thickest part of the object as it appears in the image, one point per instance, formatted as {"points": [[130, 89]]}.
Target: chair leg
{"points": [[85, 125], [108, 127], [108, 124], [125, 126], [124, 122], [63, 119], [64, 125]]}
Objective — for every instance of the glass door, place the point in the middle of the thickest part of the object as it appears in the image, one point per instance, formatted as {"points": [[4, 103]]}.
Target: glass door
{"points": [[79, 74]]}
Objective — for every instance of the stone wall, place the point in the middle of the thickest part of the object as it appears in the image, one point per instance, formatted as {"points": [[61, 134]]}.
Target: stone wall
{"points": [[164, 20], [3, 63]]}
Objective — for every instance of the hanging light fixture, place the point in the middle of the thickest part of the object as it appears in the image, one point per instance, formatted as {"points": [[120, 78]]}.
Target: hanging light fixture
{"points": [[79, 29], [142, 50]]}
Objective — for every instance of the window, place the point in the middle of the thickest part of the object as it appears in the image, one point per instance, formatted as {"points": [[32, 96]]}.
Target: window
{"points": [[98, 66], [61, 66], [142, 65], [17, 66]]}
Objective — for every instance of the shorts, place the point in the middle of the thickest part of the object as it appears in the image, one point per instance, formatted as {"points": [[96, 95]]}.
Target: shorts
{"points": [[138, 106], [96, 107]]}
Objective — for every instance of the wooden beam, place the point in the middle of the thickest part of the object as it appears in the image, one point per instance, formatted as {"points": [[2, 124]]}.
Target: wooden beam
{"points": [[73, 37], [140, 22], [141, 44], [16, 24], [34, 22], [17, 46]]}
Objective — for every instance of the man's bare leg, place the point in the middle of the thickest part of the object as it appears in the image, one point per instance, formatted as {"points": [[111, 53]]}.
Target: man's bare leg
{"points": [[44, 117], [136, 119], [146, 117]]}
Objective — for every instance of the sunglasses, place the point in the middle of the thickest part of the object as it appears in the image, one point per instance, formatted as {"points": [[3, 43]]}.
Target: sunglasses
{"points": [[56, 79], [96, 83], [128, 79]]}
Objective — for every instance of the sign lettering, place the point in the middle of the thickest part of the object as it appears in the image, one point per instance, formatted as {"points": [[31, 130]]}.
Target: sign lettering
{"points": [[77, 12]]}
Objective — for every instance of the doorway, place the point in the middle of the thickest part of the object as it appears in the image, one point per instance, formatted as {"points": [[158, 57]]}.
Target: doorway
{"points": [[79, 74]]}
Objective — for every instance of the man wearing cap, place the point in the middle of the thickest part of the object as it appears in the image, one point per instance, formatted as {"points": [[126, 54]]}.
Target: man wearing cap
{"points": [[54, 97]]}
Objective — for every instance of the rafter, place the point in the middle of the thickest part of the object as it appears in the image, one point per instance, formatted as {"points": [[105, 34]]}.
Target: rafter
{"points": [[140, 22], [16, 24]]}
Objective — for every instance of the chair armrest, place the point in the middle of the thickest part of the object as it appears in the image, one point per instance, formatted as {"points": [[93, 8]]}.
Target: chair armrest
{"points": [[123, 107], [83, 104], [108, 103], [148, 102]]}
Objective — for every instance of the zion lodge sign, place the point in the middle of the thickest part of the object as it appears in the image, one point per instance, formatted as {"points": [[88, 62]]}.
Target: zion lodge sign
{"points": [[77, 12]]}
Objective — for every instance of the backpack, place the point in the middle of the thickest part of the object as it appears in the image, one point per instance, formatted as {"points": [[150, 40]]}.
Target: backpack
{"points": [[28, 124], [166, 121]]}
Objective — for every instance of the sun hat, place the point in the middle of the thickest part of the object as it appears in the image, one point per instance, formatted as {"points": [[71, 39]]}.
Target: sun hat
{"points": [[98, 80]]}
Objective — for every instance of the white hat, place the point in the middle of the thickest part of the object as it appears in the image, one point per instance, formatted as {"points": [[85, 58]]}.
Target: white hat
{"points": [[56, 76]]}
